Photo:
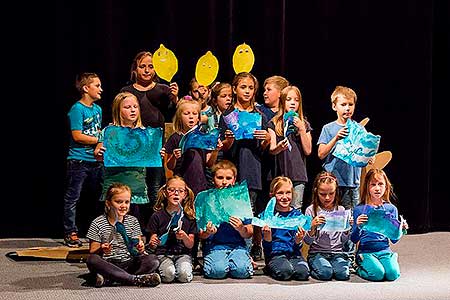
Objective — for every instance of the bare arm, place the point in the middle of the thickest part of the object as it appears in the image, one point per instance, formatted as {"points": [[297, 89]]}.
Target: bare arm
{"points": [[84, 138]]}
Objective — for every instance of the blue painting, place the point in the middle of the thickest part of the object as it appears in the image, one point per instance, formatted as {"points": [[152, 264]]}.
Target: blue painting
{"points": [[218, 205], [175, 224], [358, 146], [132, 147], [243, 123], [288, 121], [267, 217], [383, 222], [196, 138], [335, 221]]}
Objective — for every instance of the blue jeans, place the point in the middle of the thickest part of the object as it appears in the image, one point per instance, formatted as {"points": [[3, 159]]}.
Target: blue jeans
{"points": [[234, 262], [325, 265], [297, 199], [175, 267], [378, 266], [349, 196], [78, 174], [283, 268]]}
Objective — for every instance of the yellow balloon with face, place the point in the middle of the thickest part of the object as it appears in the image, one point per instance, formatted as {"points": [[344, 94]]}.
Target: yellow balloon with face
{"points": [[206, 69], [165, 63], [243, 58]]}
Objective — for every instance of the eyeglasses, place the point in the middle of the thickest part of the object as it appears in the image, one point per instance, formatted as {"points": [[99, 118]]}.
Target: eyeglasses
{"points": [[172, 190]]}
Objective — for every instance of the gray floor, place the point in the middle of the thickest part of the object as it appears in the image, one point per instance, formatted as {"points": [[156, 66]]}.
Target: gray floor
{"points": [[424, 262]]}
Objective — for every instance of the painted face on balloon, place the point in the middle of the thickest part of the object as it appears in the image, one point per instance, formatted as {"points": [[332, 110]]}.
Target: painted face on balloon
{"points": [[165, 62], [206, 69]]}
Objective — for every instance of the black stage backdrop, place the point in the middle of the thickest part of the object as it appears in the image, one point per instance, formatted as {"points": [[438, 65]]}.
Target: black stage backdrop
{"points": [[394, 54]]}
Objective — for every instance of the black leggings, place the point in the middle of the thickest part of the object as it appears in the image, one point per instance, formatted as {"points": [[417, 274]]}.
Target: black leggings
{"points": [[122, 272]]}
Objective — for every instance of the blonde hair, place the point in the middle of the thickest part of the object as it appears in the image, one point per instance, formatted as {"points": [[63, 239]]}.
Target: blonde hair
{"points": [[276, 183], [343, 91], [324, 177], [279, 81], [376, 174], [224, 165], [278, 118], [187, 203], [116, 108], [178, 125]]}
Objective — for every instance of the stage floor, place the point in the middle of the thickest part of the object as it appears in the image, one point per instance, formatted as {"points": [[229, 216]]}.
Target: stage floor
{"points": [[424, 262]]}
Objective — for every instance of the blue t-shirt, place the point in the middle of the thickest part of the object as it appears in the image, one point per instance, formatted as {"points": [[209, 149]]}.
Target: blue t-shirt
{"points": [[347, 175], [225, 238], [283, 240], [89, 121], [371, 241]]}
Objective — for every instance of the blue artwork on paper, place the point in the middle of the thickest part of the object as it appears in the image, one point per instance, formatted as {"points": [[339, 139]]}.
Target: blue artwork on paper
{"points": [[132, 147], [358, 146], [218, 205], [243, 123], [383, 222], [288, 121], [335, 220], [196, 138], [267, 217], [175, 223]]}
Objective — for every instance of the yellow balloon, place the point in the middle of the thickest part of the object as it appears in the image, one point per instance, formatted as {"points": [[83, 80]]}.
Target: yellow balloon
{"points": [[165, 63], [243, 58], [206, 69]]}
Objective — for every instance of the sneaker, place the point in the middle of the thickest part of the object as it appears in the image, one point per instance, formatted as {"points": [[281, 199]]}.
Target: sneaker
{"points": [[152, 279], [99, 280], [256, 253], [72, 240]]}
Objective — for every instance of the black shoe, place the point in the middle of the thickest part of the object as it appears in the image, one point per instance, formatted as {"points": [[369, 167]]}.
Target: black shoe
{"points": [[256, 252], [152, 279], [99, 280], [72, 240]]}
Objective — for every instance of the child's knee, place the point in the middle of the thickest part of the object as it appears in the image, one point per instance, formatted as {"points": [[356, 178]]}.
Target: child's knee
{"points": [[241, 272], [167, 275], [185, 276], [392, 275], [323, 273], [217, 270]]}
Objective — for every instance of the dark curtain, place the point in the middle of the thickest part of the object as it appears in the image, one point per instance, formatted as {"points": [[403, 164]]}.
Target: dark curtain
{"points": [[394, 54]]}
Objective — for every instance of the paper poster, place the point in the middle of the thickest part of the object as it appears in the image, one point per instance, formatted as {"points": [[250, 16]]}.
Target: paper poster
{"points": [[165, 63], [132, 147], [243, 58], [358, 146], [243, 123], [206, 69], [335, 220], [196, 138], [381, 221]]}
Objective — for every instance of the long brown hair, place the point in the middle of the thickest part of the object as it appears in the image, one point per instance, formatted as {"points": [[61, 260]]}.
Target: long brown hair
{"points": [[377, 174], [321, 178], [278, 118]]}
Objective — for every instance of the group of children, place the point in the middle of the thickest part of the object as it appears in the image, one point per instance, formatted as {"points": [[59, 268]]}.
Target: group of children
{"points": [[148, 232]]}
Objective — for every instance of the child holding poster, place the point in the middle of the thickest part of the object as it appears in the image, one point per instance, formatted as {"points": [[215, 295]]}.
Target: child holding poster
{"points": [[375, 259], [291, 141], [247, 153], [326, 257], [224, 248], [284, 260]]}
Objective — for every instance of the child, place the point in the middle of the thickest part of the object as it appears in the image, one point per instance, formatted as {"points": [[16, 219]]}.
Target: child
{"points": [[225, 251], [221, 98], [291, 151], [343, 100], [117, 252], [326, 257], [272, 92], [375, 259], [191, 164], [282, 254], [85, 118], [126, 113], [156, 102], [174, 198], [247, 153]]}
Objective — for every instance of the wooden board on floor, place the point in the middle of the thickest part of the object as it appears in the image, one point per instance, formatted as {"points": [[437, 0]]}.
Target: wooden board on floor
{"points": [[58, 253]]}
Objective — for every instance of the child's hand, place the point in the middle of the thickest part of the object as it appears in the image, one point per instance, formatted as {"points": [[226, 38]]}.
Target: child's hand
{"points": [[174, 88], [180, 234], [162, 152], [299, 124], [229, 134], [351, 221], [236, 223], [317, 221], [404, 224], [140, 246], [342, 133], [361, 219], [219, 145], [299, 235], [261, 135], [154, 241], [210, 228], [283, 144], [177, 153], [106, 248], [267, 233], [98, 153]]}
